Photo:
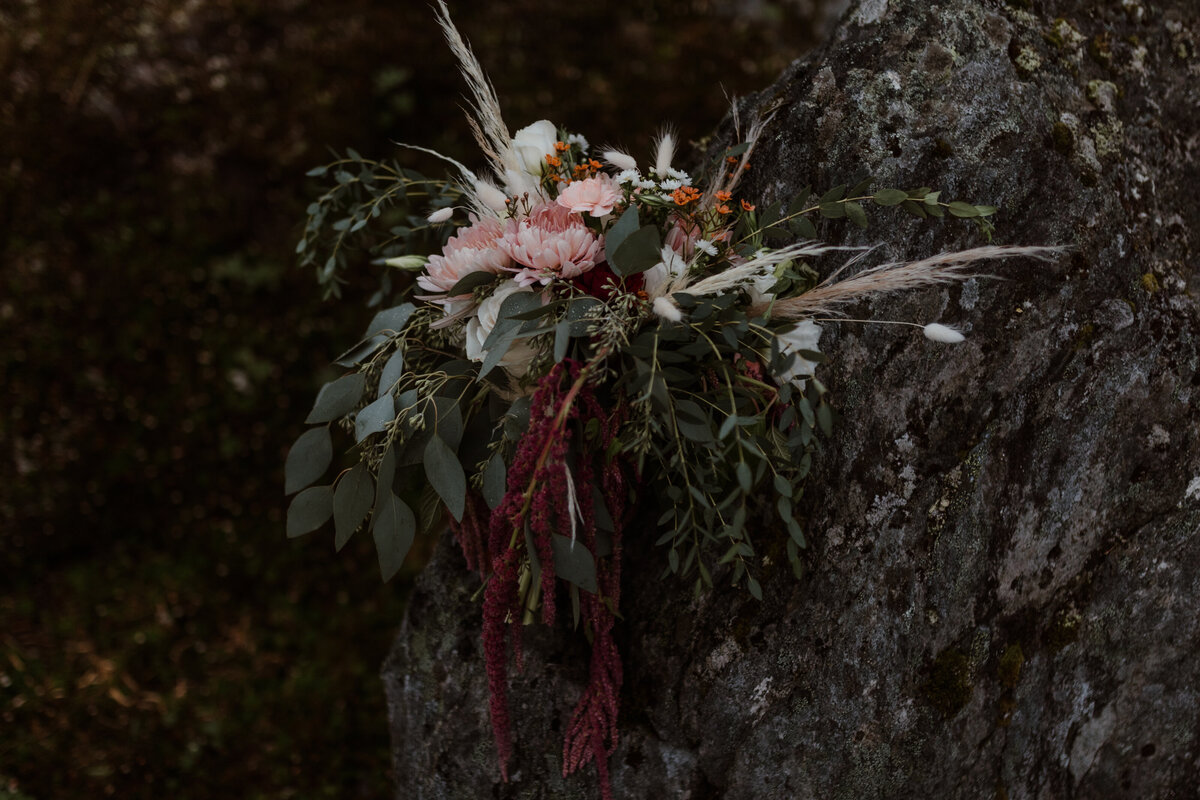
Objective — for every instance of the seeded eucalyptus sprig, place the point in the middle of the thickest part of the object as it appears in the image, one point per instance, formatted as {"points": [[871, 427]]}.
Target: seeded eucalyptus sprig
{"points": [[373, 208]]}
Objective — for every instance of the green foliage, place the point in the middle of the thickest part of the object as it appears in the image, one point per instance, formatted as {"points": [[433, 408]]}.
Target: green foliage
{"points": [[838, 203], [721, 446], [377, 208]]}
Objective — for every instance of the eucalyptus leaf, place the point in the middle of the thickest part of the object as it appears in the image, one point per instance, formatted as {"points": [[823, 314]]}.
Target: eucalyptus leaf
{"points": [[538, 311], [308, 459], [392, 372], [337, 398], [825, 419], [626, 224], [449, 421], [394, 531], [374, 418], [743, 476], [498, 348], [309, 510], [352, 501], [515, 303], [562, 340], [360, 351], [472, 281], [446, 476], [640, 251], [385, 475], [494, 475], [573, 563], [391, 320]]}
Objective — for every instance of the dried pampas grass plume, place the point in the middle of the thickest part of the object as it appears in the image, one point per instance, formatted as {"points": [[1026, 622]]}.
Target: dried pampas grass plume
{"points": [[825, 298], [487, 123]]}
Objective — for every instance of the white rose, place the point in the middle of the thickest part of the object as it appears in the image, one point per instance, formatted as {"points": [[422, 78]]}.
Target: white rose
{"points": [[805, 336], [760, 284], [479, 327], [532, 144]]}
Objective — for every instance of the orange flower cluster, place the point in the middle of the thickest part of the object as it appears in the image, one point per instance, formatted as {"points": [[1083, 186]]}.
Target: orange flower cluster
{"points": [[685, 195], [586, 169]]}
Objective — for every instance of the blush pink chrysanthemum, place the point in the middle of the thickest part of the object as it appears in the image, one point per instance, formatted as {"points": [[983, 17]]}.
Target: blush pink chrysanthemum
{"points": [[595, 196], [552, 242], [473, 249]]}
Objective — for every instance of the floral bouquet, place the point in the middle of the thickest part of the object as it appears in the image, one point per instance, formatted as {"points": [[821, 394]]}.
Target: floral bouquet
{"points": [[591, 339]]}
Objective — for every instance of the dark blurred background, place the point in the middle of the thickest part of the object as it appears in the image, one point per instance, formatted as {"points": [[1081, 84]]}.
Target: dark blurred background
{"points": [[158, 634]]}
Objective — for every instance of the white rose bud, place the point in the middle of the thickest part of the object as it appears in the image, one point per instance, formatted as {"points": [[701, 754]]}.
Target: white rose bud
{"points": [[410, 263]]}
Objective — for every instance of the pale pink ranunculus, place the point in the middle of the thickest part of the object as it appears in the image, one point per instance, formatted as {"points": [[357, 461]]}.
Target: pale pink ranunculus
{"points": [[473, 249], [682, 236], [552, 242], [595, 196]]}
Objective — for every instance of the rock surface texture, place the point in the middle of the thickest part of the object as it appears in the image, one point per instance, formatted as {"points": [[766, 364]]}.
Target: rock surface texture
{"points": [[1005, 564]]}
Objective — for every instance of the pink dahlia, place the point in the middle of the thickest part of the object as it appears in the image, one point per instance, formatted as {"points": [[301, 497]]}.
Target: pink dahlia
{"points": [[473, 249], [552, 242], [595, 196]]}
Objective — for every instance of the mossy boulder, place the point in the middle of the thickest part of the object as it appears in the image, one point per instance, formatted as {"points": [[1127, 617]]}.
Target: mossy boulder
{"points": [[1027, 502]]}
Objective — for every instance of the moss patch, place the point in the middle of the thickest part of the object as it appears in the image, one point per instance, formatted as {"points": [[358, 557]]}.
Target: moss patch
{"points": [[1063, 137], [1062, 631], [949, 686], [1009, 669]]}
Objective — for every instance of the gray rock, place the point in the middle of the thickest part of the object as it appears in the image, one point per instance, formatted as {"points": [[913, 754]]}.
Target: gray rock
{"points": [[1005, 571]]}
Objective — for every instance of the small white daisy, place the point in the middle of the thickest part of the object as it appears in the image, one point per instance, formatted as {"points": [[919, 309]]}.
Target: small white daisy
{"points": [[706, 246], [679, 175], [577, 138], [629, 176]]}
